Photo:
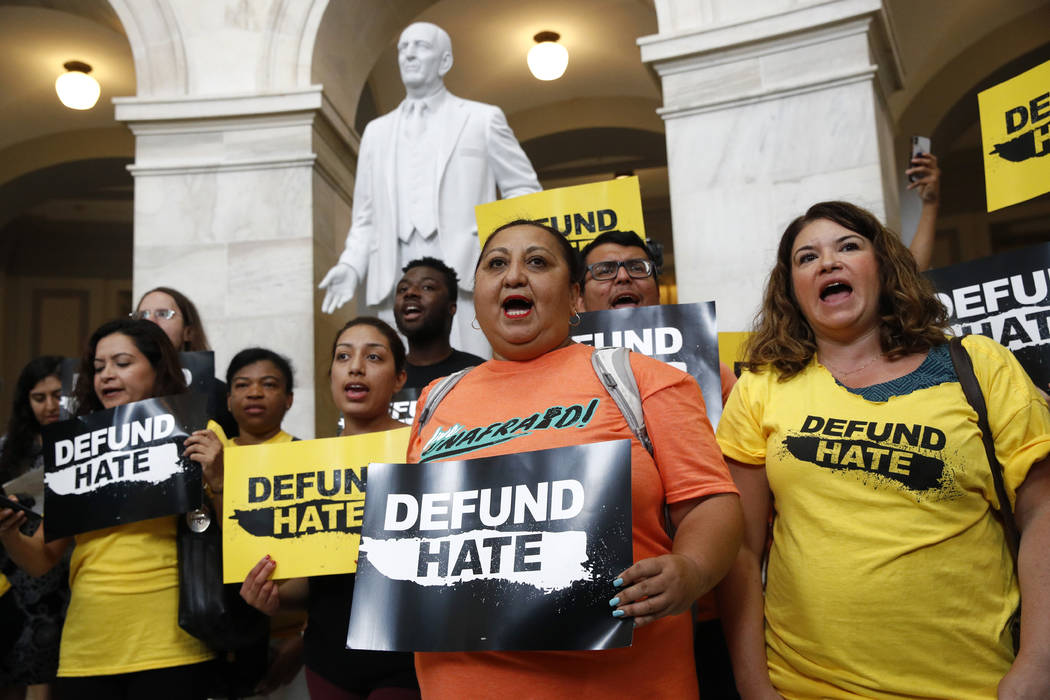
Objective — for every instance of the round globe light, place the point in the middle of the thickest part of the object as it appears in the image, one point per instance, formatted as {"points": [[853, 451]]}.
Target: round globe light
{"points": [[76, 89], [547, 59]]}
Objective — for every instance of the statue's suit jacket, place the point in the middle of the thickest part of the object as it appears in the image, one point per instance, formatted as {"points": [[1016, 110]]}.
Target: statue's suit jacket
{"points": [[477, 153]]}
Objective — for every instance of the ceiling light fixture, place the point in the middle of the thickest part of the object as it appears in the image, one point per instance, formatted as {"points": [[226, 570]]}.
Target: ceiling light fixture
{"points": [[547, 59], [76, 89]]}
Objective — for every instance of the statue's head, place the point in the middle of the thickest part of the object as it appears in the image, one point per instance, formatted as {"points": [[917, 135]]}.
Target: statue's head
{"points": [[424, 54]]}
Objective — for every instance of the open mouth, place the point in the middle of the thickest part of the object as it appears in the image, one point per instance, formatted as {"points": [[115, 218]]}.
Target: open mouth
{"points": [[517, 307], [411, 312], [111, 391], [624, 300], [835, 291], [355, 391]]}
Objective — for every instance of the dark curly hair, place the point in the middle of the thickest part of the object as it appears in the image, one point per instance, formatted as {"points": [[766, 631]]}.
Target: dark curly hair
{"points": [[151, 341], [911, 318], [22, 426]]}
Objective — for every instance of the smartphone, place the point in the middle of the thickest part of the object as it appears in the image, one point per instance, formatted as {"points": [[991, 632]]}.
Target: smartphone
{"points": [[6, 502], [920, 145]]}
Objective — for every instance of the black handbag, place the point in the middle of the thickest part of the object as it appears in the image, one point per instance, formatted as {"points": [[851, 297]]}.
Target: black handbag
{"points": [[215, 613], [972, 389]]}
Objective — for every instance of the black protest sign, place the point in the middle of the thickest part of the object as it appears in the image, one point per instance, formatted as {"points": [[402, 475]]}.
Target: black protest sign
{"points": [[121, 465], [1004, 297], [517, 551], [198, 367], [682, 335], [403, 405]]}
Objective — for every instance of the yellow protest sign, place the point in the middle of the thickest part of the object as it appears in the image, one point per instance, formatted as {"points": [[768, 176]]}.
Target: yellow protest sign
{"points": [[300, 502], [731, 347], [1015, 131], [581, 212]]}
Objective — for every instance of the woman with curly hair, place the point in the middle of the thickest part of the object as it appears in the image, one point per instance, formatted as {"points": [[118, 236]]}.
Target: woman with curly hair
{"points": [[889, 574]]}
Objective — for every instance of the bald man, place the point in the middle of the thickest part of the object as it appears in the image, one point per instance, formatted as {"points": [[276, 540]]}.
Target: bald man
{"points": [[421, 170]]}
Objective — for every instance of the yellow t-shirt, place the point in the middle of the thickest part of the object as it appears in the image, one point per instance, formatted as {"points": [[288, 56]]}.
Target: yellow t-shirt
{"points": [[227, 442], [889, 576], [5, 585], [124, 608]]}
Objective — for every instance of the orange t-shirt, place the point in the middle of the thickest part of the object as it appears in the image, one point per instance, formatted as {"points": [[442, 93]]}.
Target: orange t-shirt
{"points": [[550, 401]]}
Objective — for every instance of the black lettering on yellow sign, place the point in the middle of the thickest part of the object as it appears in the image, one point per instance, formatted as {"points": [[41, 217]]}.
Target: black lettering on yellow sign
{"points": [[307, 518], [582, 225], [287, 487], [1033, 143]]}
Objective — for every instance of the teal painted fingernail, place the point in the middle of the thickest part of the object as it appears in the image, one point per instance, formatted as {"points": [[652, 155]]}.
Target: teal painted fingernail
{"points": [[618, 613], [614, 602], [618, 582]]}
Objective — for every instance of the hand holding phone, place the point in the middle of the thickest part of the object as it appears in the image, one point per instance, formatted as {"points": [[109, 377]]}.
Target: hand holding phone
{"points": [[6, 502], [920, 145]]}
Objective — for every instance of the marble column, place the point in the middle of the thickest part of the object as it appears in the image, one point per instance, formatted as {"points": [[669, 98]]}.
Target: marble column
{"points": [[233, 145], [769, 107]]}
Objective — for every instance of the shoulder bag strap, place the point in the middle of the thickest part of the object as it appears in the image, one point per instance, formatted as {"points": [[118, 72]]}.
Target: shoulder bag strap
{"points": [[968, 380]]}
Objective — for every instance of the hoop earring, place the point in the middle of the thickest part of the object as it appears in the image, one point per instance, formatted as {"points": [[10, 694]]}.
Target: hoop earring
{"points": [[575, 320], [474, 324]]}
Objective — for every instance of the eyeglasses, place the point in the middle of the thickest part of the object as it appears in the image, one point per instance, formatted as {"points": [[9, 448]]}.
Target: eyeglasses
{"points": [[157, 314], [607, 269]]}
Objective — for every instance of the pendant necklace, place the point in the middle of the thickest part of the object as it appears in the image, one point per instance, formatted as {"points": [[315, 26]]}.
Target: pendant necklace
{"points": [[839, 373]]}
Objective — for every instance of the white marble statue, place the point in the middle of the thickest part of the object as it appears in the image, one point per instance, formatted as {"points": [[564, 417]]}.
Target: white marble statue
{"points": [[421, 170]]}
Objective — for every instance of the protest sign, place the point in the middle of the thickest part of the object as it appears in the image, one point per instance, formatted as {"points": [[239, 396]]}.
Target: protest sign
{"points": [[403, 405], [731, 346], [1015, 133], [580, 212], [517, 551], [198, 367], [121, 465], [1005, 298], [300, 502], [682, 335]]}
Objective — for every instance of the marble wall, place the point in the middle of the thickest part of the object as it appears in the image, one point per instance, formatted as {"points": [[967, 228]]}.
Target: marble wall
{"points": [[764, 118], [223, 212]]}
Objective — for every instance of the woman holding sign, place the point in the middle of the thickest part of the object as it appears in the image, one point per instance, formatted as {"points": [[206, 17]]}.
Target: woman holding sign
{"points": [[368, 368], [524, 292], [889, 573], [121, 638]]}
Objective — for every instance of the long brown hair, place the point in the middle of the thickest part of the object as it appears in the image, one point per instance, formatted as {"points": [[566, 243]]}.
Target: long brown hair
{"points": [[911, 318], [155, 346], [190, 318]]}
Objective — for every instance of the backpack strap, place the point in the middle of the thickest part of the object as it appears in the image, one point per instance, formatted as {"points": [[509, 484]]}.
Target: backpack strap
{"points": [[438, 393], [613, 367]]}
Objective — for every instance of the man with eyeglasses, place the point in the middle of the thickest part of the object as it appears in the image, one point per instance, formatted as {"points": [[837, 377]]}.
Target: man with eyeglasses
{"points": [[620, 272]]}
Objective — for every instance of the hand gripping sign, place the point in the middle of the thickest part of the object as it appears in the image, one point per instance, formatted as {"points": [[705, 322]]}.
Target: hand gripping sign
{"points": [[300, 502], [486, 553]]}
